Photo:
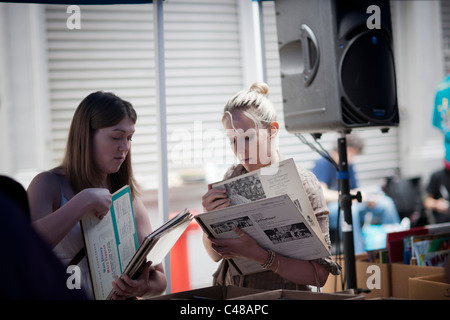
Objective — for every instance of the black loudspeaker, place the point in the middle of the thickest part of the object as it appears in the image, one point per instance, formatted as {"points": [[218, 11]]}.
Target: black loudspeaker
{"points": [[337, 64]]}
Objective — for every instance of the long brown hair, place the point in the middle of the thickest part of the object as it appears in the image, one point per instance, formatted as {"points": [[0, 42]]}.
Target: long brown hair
{"points": [[98, 110]]}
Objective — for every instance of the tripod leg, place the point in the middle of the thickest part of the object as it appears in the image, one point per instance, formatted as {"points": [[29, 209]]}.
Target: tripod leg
{"points": [[347, 224]]}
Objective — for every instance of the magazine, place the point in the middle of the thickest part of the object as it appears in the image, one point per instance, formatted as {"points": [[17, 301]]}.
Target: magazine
{"points": [[283, 179], [431, 250], [112, 246]]}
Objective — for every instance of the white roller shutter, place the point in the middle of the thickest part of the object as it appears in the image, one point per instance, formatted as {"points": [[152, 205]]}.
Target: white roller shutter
{"points": [[203, 69], [114, 51]]}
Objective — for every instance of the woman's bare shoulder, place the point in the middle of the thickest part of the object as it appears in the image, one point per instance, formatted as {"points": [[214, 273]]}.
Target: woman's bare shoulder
{"points": [[44, 179]]}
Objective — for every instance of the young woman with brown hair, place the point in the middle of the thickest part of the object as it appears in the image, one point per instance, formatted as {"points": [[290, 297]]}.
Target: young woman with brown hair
{"points": [[97, 163]]}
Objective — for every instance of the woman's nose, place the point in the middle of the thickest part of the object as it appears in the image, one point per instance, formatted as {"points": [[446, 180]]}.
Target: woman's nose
{"points": [[240, 147], [124, 145]]}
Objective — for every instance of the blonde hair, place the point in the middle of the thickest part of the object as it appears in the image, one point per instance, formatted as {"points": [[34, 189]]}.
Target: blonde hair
{"points": [[254, 104]]}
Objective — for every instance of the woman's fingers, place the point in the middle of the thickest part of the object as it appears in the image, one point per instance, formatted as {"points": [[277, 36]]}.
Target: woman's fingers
{"points": [[215, 199]]}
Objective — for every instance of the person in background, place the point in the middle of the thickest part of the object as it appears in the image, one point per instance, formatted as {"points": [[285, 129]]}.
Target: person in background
{"points": [[437, 191], [441, 112], [97, 163], [437, 195], [381, 207], [250, 120]]}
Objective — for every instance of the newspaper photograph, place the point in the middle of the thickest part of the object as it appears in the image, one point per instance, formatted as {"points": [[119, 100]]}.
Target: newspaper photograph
{"points": [[273, 222], [285, 180]]}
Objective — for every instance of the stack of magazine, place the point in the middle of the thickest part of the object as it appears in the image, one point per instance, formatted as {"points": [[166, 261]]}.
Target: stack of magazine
{"points": [[273, 208], [429, 250], [112, 246], [423, 246]]}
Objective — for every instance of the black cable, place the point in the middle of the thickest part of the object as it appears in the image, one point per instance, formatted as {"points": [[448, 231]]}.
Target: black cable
{"points": [[324, 153]]}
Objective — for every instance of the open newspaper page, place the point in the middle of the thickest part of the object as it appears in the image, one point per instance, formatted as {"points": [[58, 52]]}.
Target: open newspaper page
{"points": [[110, 242], [274, 223], [278, 179]]}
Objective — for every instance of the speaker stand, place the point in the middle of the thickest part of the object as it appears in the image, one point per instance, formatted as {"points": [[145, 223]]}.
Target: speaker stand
{"points": [[345, 201]]}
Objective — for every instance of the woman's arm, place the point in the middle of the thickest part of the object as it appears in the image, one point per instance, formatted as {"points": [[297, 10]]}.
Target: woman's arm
{"points": [[54, 222], [295, 270], [213, 199], [440, 205], [208, 246]]}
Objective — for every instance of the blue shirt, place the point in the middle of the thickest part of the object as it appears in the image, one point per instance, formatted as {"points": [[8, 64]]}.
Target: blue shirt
{"points": [[441, 113], [327, 173]]}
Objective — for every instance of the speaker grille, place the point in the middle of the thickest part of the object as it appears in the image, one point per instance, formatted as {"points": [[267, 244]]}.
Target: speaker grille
{"points": [[349, 117], [368, 78]]}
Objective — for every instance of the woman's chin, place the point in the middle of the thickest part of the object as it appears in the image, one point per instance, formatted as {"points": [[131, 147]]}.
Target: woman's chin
{"points": [[251, 166]]}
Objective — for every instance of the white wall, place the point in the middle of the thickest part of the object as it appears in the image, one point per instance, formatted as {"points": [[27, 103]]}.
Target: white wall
{"points": [[23, 77], [420, 67], [5, 159]]}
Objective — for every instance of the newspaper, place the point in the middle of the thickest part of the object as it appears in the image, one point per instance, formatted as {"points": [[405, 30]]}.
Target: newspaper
{"points": [[284, 179], [272, 209]]}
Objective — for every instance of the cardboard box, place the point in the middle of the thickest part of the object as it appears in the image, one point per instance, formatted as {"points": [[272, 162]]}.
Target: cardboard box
{"points": [[239, 293], [433, 287], [299, 295], [375, 277], [401, 273], [334, 283], [213, 293]]}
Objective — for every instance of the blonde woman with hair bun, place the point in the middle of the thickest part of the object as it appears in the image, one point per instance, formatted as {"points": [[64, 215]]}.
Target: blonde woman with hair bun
{"points": [[250, 121]]}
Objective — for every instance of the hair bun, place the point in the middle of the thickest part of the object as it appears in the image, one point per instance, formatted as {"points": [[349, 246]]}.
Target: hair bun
{"points": [[260, 87]]}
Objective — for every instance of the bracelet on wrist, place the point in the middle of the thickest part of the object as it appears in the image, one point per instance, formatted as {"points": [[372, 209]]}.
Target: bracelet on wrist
{"points": [[278, 266]]}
